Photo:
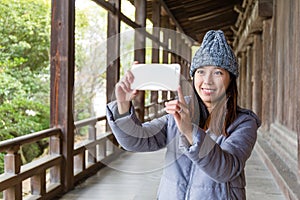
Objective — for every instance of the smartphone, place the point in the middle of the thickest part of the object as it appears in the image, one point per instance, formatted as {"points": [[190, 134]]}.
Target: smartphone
{"points": [[155, 77]]}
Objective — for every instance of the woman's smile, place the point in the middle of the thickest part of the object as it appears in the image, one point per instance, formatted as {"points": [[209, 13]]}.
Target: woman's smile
{"points": [[208, 91]]}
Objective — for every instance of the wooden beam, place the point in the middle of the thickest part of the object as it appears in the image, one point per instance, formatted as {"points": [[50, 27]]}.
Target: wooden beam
{"points": [[62, 83], [212, 14], [170, 14], [107, 5], [112, 10]]}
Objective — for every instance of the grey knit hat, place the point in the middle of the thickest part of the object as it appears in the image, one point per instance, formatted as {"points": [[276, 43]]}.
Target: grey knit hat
{"points": [[215, 51]]}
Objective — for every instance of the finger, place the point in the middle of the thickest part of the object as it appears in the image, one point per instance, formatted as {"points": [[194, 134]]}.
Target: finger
{"points": [[180, 95], [129, 76], [172, 108], [124, 86], [173, 105], [172, 102], [171, 111], [134, 94]]}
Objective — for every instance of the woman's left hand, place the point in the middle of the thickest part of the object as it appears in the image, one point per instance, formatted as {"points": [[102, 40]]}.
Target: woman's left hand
{"points": [[180, 111]]}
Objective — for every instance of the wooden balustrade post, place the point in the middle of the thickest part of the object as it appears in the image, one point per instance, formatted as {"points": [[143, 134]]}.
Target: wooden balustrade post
{"points": [[12, 165], [54, 150], [79, 163], [38, 184], [92, 155], [102, 150]]}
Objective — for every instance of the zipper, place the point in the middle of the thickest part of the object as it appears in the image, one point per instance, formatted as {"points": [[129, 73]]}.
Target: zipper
{"points": [[187, 194]]}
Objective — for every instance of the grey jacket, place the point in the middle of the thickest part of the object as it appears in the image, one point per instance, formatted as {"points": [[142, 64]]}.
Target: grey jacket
{"points": [[211, 168]]}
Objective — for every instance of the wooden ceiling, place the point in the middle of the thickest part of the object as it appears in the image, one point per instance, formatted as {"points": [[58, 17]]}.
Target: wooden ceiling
{"points": [[196, 17]]}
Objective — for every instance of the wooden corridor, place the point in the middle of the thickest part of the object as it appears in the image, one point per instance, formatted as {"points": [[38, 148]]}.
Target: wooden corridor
{"points": [[135, 176]]}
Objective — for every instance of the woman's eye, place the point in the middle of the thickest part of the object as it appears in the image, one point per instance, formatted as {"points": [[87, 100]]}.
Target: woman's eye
{"points": [[201, 72], [218, 73]]}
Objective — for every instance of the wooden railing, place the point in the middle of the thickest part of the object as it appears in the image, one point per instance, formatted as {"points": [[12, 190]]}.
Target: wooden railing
{"points": [[154, 110], [44, 174]]}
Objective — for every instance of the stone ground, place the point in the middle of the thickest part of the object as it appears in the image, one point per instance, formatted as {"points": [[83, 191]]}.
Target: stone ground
{"points": [[135, 176]]}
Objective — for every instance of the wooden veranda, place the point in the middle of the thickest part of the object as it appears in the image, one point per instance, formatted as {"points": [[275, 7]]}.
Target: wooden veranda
{"points": [[265, 35]]}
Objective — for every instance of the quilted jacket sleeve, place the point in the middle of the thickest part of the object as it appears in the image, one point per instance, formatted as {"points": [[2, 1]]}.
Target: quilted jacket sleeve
{"points": [[134, 135]]}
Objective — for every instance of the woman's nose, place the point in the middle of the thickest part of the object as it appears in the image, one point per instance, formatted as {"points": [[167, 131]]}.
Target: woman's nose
{"points": [[208, 78]]}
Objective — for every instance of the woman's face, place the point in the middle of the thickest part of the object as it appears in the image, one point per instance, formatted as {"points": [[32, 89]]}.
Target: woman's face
{"points": [[211, 83]]}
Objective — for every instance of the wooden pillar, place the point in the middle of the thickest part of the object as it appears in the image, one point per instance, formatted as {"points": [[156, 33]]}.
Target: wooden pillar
{"points": [[248, 78], [165, 26], [173, 43], [62, 83], [173, 50], [257, 86], [243, 79], [280, 52], [178, 49], [297, 80], [183, 56], [113, 51], [238, 80], [267, 76], [155, 46], [139, 53]]}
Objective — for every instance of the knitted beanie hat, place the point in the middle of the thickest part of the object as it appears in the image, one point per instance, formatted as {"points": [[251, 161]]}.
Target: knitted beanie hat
{"points": [[215, 51]]}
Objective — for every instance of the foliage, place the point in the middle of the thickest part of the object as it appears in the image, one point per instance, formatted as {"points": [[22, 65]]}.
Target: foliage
{"points": [[24, 70], [24, 33], [1, 162]]}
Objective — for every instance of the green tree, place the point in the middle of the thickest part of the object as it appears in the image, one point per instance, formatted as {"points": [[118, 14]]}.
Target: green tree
{"points": [[24, 71], [24, 33]]}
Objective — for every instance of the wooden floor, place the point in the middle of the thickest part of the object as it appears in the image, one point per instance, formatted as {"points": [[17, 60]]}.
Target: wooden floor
{"points": [[135, 176]]}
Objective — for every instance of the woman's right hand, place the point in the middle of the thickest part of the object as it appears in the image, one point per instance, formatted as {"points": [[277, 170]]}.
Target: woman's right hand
{"points": [[124, 93]]}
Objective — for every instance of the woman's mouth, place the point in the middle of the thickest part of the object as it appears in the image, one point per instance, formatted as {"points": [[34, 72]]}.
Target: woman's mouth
{"points": [[208, 91]]}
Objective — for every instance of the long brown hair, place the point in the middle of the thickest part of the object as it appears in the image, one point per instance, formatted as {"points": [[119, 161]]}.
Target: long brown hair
{"points": [[223, 114]]}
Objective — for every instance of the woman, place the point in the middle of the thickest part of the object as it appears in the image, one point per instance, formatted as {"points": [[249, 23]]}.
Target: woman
{"points": [[208, 137]]}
